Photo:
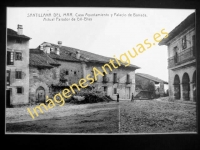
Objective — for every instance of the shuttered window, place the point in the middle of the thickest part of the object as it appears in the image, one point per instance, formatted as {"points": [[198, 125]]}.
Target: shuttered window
{"points": [[18, 56], [18, 74], [10, 58]]}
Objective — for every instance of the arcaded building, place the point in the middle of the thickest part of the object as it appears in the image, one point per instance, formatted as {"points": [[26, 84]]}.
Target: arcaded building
{"points": [[17, 67], [182, 60]]}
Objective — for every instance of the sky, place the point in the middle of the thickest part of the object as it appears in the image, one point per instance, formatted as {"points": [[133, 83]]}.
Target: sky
{"points": [[109, 35]]}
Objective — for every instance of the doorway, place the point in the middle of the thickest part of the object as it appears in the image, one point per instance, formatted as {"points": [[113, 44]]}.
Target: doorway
{"points": [[186, 86], [40, 95], [8, 98], [127, 92]]}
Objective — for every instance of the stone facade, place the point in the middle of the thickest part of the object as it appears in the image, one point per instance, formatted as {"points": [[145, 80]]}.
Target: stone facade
{"points": [[182, 60], [40, 83], [124, 87], [75, 65], [17, 90]]}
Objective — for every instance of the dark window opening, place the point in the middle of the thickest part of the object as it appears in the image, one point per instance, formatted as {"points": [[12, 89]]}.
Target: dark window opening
{"points": [[74, 72], [115, 77], [105, 88], [18, 56], [18, 74], [67, 72], [128, 78], [19, 90]]}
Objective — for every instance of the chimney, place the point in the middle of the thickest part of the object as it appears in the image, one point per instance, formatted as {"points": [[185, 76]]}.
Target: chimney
{"points": [[78, 54], [58, 51], [41, 47], [59, 43], [19, 30]]}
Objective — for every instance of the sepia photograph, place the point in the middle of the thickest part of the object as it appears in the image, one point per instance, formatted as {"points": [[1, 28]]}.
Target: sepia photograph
{"points": [[100, 70]]}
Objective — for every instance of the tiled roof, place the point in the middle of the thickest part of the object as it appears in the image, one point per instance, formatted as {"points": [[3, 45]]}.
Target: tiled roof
{"points": [[39, 59], [151, 77], [13, 33], [190, 20], [68, 53]]}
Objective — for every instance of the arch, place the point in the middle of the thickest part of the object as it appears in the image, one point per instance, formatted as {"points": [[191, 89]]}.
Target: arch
{"points": [[186, 86], [177, 89], [33, 91], [40, 94]]}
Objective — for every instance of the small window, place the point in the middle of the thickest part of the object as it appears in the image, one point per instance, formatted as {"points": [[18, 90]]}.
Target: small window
{"points": [[128, 78], [115, 90], [184, 44], [105, 88], [8, 77], [10, 58], [18, 74], [67, 72], [18, 56], [115, 77], [20, 90], [74, 72]]}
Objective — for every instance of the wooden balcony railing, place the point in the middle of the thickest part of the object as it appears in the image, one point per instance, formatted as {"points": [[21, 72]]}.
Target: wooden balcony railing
{"points": [[182, 57]]}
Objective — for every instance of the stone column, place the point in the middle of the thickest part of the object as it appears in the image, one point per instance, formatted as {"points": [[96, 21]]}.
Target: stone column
{"points": [[191, 91], [181, 91]]}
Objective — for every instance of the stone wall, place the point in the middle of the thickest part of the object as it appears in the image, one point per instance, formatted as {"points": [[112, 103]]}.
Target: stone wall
{"points": [[44, 78]]}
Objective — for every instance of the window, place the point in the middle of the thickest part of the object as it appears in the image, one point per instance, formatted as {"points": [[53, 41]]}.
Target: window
{"points": [[18, 74], [8, 77], [18, 56], [175, 54], [115, 77], [128, 78], [115, 90], [105, 88], [104, 77], [74, 72], [10, 58], [184, 44], [20, 90], [67, 72]]}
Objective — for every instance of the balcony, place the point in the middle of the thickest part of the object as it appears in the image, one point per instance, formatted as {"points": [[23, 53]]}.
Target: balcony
{"points": [[182, 57]]}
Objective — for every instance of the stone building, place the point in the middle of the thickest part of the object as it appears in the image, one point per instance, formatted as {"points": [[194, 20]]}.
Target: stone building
{"points": [[44, 71], [142, 84], [182, 60], [17, 68], [76, 64]]}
